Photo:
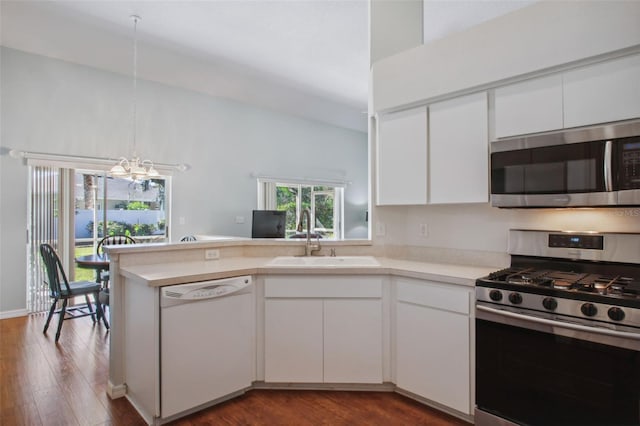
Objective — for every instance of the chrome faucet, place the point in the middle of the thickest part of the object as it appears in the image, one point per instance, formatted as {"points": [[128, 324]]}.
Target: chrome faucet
{"points": [[309, 248]]}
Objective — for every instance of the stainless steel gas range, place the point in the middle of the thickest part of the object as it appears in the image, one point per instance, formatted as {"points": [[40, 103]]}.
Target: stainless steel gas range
{"points": [[558, 332]]}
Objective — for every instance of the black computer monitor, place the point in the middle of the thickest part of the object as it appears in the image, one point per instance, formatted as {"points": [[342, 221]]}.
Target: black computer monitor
{"points": [[268, 224]]}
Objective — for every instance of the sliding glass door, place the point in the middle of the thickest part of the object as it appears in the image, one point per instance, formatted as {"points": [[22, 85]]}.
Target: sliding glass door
{"points": [[73, 209]]}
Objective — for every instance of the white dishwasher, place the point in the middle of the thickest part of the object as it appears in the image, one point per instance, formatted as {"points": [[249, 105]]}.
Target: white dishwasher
{"points": [[207, 343]]}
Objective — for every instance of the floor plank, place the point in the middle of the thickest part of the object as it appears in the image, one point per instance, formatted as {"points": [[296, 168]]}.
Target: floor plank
{"points": [[44, 383]]}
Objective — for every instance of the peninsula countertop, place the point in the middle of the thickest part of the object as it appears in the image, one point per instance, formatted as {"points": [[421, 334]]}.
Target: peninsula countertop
{"points": [[157, 275]]}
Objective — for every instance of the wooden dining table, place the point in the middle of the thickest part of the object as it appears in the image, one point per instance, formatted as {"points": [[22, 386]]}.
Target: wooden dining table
{"points": [[94, 261]]}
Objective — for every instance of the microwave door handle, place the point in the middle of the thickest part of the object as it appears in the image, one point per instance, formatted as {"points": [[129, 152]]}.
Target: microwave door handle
{"points": [[608, 180]]}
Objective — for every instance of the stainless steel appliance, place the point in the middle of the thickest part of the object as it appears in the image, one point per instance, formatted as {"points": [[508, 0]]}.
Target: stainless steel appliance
{"points": [[598, 166], [558, 332]]}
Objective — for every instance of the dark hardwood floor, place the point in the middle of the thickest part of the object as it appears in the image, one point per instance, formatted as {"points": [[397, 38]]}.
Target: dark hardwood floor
{"points": [[42, 383]]}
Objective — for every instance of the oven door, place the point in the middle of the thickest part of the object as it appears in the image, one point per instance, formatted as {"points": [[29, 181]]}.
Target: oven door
{"points": [[565, 175], [539, 371]]}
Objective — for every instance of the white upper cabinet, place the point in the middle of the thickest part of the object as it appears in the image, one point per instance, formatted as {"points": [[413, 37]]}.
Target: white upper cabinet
{"points": [[600, 93], [459, 150], [594, 94], [529, 107], [401, 166]]}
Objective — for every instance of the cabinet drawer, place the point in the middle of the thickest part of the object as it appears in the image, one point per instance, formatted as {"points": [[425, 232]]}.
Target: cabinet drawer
{"points": [[323, 287], [434, 295]]}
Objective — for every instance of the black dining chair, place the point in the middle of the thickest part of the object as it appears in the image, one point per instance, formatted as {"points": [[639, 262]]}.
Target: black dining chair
{"points": [[61, 289], [109, 240], [112, 240]]}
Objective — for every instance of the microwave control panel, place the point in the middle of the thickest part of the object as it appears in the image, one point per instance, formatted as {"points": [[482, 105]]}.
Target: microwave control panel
{"points": [[630, 167]]}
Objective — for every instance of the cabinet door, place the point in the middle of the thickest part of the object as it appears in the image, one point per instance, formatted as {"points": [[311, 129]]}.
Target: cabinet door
{"points": [[432, 355], [600, 93], [402, 158], [529, 107], [352, 341], [459, 150], [293, 340]]}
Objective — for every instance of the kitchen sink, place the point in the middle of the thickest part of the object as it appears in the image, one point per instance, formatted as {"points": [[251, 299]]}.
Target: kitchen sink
{"points": [[326, 261]]}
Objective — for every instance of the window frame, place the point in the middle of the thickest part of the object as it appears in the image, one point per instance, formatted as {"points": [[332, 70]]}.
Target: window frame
{"points": [[267, 200]]}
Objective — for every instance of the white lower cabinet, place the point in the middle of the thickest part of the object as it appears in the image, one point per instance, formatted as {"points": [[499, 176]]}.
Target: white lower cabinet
{"points": [[353, 341], [293, 340], [433, 342], [323, 329]]}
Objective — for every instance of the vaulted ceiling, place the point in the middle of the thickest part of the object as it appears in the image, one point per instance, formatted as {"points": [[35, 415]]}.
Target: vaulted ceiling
{"points": [[311, 56]]}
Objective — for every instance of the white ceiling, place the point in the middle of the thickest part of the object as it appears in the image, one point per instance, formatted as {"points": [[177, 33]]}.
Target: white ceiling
{"points": [[320, 45], [316, 48]]}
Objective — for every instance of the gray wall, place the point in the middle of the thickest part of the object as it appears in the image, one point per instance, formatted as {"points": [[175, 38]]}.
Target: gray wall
{"points": [[395, 26], [58, 107]]}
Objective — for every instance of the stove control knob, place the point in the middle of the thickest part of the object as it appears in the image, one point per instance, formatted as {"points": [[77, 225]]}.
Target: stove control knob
{"points": [[616, 314], [495, 295], [515, 298], [589, 309], [550, 303]]}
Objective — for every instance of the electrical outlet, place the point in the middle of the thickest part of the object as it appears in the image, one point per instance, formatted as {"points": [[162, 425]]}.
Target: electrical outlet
{"points": [[182, 220], [239, 219], [381, 229], [424, 230], [212, 254]]}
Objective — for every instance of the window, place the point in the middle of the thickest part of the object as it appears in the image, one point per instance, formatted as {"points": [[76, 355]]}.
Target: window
{"points": [[324, 203], [116, 206], [106, 205]]}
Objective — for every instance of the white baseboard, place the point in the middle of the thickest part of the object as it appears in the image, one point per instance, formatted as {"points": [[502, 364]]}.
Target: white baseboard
{"points": [[14, 314]]}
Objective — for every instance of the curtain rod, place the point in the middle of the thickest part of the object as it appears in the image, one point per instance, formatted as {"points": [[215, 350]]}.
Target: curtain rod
{"points": [[283, 179], [27, 155]]}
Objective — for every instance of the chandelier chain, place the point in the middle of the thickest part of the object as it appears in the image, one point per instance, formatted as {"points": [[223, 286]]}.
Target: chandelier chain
{"points": [[134, 168], [135, 81]]}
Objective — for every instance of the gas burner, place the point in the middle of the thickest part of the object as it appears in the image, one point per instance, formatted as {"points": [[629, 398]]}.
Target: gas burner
{"points": [[520, 279], [561, 284], [632, 288], [591, 288], [527, 277]]}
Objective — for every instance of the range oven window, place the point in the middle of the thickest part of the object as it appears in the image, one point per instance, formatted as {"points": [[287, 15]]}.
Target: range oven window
{"points": [[536, 378], [558, 169]]}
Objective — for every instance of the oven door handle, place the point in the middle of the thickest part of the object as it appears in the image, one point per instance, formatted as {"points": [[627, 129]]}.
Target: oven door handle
{"points": [[570, 326]]}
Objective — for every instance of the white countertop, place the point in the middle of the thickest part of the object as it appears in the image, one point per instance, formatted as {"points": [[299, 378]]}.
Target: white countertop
{"points": [[184, 272]]}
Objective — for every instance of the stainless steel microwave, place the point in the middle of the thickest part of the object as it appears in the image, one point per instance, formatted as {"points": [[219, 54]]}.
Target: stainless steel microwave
{"points": [[589, 167]]}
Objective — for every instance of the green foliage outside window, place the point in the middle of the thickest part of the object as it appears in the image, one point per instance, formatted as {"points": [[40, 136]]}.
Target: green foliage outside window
{"points": [[287, 199], [137, 205], [123, 228]]}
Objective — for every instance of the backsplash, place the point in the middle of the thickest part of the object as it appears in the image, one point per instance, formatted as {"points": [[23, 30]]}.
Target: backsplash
{"points": [[480, 227]]}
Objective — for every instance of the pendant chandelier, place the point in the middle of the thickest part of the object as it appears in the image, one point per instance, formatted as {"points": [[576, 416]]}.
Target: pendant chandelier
{"points": [[134, 168]]}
